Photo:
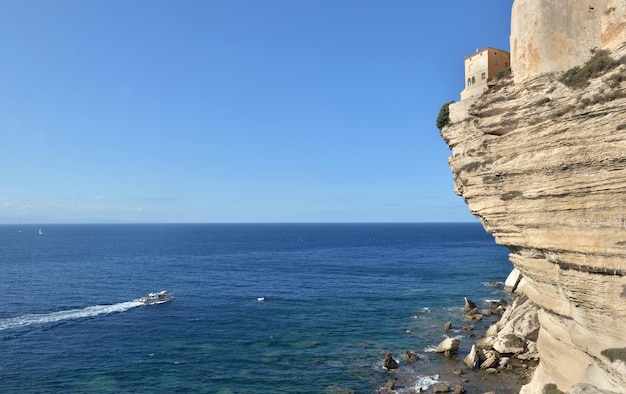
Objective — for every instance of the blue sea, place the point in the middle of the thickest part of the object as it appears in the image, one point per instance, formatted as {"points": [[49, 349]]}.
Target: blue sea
{"points": [[257, 308]]}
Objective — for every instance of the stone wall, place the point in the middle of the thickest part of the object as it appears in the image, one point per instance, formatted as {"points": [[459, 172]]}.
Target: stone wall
{"points": [[555, 35]]}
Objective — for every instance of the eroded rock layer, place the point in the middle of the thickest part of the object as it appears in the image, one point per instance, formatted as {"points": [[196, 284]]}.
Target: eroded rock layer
{"points": [[544, 169]]}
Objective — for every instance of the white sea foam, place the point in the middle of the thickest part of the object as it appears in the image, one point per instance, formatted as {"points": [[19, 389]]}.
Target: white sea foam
{"points": [[425, 382], [90, 311]]}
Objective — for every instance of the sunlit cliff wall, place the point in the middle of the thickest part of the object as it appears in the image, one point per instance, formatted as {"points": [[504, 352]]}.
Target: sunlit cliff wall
{"points": [[543, 166], [555, 35]]}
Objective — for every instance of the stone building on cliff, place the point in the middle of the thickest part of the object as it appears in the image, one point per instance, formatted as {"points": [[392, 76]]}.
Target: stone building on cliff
{"points": [[480, 67]]}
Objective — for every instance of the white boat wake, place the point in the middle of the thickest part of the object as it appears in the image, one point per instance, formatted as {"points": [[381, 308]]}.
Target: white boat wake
{"points": [[90, 311]]}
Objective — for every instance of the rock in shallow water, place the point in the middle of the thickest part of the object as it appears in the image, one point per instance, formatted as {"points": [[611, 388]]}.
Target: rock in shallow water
{"points": [[410, 356], [469, 305], [390, 362], [472, 360], [390, 385], [448, 345], [441, 388]]}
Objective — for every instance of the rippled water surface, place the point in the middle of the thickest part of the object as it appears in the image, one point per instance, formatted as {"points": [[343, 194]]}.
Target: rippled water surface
{"points": [[259, 308]]}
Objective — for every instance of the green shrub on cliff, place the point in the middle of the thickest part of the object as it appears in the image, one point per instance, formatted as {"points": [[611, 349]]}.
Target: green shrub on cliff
{"points": [[600, 63], [503, 78], [551, 389], [504, 73], [615, 354], [444, 115]]}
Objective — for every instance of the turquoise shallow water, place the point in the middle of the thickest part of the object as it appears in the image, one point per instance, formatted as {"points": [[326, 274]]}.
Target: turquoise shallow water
{"points": [[336, 298]]}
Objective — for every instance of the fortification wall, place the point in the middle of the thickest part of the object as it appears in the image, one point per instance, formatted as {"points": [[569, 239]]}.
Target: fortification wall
{"points": [[554, 35]]}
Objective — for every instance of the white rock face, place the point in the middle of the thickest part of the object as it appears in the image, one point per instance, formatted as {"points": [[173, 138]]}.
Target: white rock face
{"points": [[512, 281], [544, 169], [472, 360], [448, 345]]}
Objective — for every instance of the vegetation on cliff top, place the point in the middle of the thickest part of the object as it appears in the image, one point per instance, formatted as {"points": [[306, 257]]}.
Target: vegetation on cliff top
{"points": [[600, 63], [444, 115]]}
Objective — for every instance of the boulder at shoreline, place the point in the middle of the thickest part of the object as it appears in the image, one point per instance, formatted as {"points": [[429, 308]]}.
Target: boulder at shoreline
{"points": [[448, 345]]}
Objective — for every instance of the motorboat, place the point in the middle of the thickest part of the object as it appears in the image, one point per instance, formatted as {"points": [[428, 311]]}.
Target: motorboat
{"points": [[156, 298]]}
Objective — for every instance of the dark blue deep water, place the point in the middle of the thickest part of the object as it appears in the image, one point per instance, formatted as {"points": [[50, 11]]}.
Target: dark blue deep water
{"points": [[337, 297]]}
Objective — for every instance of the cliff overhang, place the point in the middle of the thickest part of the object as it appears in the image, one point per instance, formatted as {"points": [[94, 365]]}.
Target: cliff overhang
{"points": [[543, 166]]}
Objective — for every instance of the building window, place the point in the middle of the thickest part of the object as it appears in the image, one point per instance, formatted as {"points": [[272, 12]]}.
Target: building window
{"points": [[469, 82], [483, 76], [473, 80]]}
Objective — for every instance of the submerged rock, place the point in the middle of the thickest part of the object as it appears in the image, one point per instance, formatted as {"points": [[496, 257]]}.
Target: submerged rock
{"points": [[458, 389], [390, 385], [339, 390], [410, 356]]}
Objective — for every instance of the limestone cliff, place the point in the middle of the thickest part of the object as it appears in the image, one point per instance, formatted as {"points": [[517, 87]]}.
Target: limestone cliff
{"points": [[543, 166]]}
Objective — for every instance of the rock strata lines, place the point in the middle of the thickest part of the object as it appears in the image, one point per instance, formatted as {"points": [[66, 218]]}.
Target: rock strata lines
{"points": [[543, 166]]}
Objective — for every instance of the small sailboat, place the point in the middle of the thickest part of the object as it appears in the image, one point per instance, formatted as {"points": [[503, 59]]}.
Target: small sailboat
{"points": [[40, 232]]}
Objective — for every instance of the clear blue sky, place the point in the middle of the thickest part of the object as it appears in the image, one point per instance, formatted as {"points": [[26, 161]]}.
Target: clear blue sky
{"points": [[233, 110]]}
